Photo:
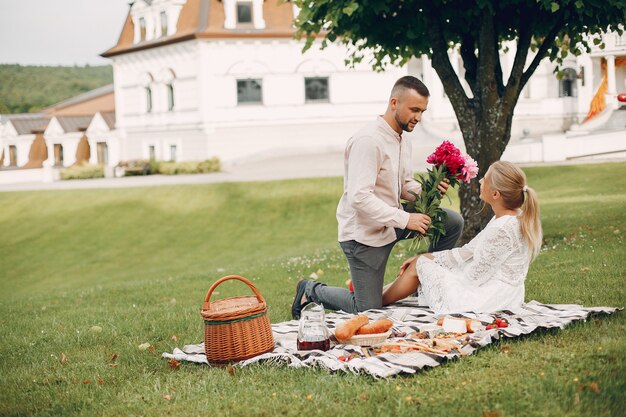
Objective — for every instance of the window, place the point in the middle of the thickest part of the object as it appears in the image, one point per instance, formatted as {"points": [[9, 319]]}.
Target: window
{"points": [[567, 84], [12, 155], [151, 153], [249, 91], [58, 155], [148, 99], [244, 12], [103, 153], [142, 29], [170, 97], [316, 89], [163, 24], [172, 153]]}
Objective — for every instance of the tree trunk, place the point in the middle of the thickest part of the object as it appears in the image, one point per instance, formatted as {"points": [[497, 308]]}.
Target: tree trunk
{"points": [[485, 143]]}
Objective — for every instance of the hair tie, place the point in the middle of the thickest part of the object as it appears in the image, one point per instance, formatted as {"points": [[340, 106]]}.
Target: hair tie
{"points": [[525, 188]]}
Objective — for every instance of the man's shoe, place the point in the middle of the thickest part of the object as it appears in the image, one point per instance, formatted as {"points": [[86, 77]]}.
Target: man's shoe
{"points": [[297, 306]]}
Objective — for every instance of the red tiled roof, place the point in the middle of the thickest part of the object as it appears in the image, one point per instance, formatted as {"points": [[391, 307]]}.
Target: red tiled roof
{"points": [[205, 19]]}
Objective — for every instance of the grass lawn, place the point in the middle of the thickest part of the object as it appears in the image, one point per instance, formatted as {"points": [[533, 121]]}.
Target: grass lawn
{"points": [[137, 263]]}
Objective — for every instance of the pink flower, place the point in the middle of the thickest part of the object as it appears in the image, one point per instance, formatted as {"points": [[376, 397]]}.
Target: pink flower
{"points": [[469, 169]]}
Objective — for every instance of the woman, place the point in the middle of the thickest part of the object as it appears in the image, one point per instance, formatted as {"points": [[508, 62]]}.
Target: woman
{"points": [[488, 273]]}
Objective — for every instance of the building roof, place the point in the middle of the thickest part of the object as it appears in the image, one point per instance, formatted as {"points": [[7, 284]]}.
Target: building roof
{"points": [[89, 95], [74, 123], [109, 118], [26, 124], [205, 19]]}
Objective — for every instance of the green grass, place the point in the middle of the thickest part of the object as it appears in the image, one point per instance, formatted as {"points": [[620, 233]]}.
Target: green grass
{"points": [[138, 262]]}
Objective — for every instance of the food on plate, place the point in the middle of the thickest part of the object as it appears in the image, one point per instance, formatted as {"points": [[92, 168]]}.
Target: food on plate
{"points": [[379, 326], [454, 325], [498, 323], [349, 328]]}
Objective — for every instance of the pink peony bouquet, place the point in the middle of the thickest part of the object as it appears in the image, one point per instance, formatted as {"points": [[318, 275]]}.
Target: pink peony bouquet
{"points": [[448, 163]]}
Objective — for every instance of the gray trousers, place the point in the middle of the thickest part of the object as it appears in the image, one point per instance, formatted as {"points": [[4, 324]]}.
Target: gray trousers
{"points": [[367, 268]]}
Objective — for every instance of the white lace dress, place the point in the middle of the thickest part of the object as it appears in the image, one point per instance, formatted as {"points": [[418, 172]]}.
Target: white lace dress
{"points": [[485, 275]]}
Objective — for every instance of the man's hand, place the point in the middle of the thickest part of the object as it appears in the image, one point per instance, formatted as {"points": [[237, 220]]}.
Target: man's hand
{"points": [[418, 222], [443, 187]]}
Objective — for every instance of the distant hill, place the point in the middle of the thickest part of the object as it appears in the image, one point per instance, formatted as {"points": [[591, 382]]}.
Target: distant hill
{"points": [[28, 89]]}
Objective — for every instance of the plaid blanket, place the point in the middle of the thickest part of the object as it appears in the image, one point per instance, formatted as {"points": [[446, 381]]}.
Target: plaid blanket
{"points": [[408, 318]]}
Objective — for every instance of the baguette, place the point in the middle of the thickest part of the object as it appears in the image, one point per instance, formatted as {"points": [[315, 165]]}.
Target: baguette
{"points": [[379, 326], [349, 328]]}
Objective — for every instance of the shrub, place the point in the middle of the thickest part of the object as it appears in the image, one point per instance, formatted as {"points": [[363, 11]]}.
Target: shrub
{"points": [[190, 167], [82, 172]]}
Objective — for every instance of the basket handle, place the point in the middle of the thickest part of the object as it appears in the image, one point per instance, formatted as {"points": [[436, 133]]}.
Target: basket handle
{"points": [[205, 305]]}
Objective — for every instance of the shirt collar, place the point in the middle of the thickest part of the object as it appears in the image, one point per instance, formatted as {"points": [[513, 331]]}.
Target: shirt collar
{"points": [[388, 129]]}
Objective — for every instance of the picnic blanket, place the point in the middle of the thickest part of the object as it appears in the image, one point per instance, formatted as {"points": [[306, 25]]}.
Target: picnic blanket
{"points": [[408, 317]]}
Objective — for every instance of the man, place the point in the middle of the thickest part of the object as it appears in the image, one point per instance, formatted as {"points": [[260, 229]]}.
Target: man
{"points": [[371, 218]]}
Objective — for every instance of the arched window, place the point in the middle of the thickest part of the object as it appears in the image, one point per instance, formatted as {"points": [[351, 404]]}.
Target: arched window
{"points": [[567, 84], [170, 97], [148, 99]]}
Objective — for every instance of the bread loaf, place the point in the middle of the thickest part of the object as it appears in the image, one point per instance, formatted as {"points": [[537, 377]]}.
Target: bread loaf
{"points": [[349, 328], [379, 326]]}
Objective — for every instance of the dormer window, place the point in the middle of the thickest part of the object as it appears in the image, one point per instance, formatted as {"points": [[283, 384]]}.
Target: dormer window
{"points": [[244, 12], [247, 14], [163, 24], [142, 29]]}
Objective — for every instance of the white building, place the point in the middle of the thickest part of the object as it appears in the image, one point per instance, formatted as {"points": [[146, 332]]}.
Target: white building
{"points": [[195, 79]]}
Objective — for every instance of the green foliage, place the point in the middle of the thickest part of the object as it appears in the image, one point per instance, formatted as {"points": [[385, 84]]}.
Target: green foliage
{"points": [[25, 89], [396, 31], [138, 262], [189, 167], [82, 172]]}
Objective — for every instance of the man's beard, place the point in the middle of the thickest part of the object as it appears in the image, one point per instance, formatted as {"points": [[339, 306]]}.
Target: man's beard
{"points": [[404, 126]]}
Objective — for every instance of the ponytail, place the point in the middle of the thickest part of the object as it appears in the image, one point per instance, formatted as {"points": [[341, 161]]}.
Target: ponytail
{"points": [[510, 181], [530, 222]]}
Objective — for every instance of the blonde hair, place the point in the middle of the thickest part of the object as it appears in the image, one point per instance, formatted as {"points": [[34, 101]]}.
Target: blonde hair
{"points": [[510, 181]]}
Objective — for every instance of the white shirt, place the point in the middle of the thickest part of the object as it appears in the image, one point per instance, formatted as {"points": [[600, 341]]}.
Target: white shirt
{"points": [[377, 174]]}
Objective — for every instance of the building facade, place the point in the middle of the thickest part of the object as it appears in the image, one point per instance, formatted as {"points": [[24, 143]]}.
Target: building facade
{"points": [[195, 79]]}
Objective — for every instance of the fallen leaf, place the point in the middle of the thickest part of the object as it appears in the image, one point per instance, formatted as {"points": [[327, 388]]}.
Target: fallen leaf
{"points": [[113, 357], [313, 276], [95, 329], [493, 413], [86, 382], [151, 349], [167, 397], [593, 386], [173, 363], [230, 370], [505, 349], [309, 397], [363, 396], [63, 359], [143, 346], [100, 381], [113, 365], [175, 338]]}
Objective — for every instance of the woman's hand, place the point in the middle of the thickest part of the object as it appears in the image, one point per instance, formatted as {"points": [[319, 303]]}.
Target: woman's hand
{"points": [[443, 186], [406, 264]]}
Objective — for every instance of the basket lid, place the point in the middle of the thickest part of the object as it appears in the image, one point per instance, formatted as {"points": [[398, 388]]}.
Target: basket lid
{"points": [[233, 307]]}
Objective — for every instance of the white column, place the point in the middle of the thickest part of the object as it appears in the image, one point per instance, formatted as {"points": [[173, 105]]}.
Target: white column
{"points": [[610, 73], [611, 94], [257, 14], [230, 14]]}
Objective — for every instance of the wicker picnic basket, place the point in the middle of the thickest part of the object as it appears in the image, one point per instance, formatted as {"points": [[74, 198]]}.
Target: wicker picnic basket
{"points": [[235, 328]]}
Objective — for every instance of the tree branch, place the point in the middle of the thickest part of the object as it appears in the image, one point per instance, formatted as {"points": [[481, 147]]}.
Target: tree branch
{"points": [[468, 54], [441, 63], [547, 43]]}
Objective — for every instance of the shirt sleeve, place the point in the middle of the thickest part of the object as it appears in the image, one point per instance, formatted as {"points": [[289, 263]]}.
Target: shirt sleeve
{"points": [[495, 249], [456, 257], [364, 162], [410, 186]]}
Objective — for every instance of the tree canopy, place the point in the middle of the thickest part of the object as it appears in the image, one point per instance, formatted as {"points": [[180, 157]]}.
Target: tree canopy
{"points": [[393, 32]]}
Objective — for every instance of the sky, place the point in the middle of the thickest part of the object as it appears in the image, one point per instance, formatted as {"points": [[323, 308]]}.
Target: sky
{"points": [[59, 32]]}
